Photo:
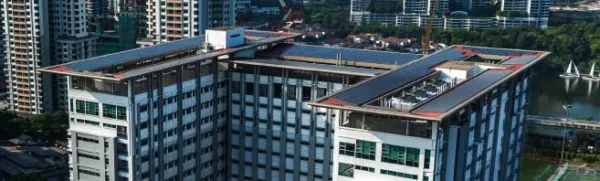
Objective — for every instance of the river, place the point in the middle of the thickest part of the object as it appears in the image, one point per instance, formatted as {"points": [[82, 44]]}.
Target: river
{"points": [[549, 92]]}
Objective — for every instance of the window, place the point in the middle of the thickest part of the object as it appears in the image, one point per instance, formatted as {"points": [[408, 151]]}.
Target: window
{"points": [[109, 111], [114, 112], [121, 113], [80, 106], [321, 92], [400, 155], [249, 88], [85, 107], [368, 169], [412, 157], [399, 174], [263, 90], [91, 108], [427, 158], [277, 90], [347, 149], [291, 92], [393, 154], [346, 170], [306, 92], [235, 86], [365, 149]]}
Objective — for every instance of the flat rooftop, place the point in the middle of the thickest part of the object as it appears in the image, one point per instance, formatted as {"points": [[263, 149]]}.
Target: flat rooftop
{"points": [[127, 64], [341, 56], [500, 64]]}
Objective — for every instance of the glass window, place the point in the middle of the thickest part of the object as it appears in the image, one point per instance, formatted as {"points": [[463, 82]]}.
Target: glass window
{"points": [[346, 170], [249, 88], [427, 158], [291, 92], [321, 92], [347, 148], [109, 111], [277, 90], [77, 82], [306, 93], [189, 72], [368, 169], [263, 90], [419, 128], [80, 106], [393, 154], [365, 149], [235, 86], [121, 113], [412, 157], [399, 174]]}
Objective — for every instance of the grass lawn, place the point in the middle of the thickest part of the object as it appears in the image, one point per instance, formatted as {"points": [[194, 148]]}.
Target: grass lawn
{"points": [[532, 168]]}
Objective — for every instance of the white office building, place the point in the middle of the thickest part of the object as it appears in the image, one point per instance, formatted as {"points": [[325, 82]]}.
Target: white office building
{"points": [[262, 108]]}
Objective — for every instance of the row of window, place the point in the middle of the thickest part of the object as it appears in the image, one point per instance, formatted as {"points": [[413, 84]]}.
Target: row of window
{"points": [[108, 110], [278, 90], [389, 153]]}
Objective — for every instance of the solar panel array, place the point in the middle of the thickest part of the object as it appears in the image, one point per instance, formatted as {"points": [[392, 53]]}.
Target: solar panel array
{"points": [[525, 59], [462, 92], [317, 67], [260, 34], [96, 63], [348, 54], [495, 51], [367, 91]]}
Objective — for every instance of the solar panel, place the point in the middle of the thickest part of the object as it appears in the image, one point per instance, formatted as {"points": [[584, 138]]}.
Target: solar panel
{"points": [[495, 51], [367, 91], [259, 34], [462, 92], [525, 59], [135, 54], [347, 54], [313, 66]]}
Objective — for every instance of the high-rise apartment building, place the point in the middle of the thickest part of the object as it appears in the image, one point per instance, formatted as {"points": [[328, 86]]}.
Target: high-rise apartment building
{"points": [[175, 20], [262, 108], [38, 34], [26, 34], [455, 13]]}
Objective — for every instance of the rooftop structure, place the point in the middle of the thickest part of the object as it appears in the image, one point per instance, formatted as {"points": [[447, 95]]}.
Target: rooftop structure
{"points": [[468, 72]]}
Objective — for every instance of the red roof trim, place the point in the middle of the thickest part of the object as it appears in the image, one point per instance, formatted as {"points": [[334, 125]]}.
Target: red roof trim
{"points": [[428, 113], [334, 101], [61, 69]]}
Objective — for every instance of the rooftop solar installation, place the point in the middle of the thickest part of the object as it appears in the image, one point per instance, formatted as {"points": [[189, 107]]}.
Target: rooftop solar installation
{"points": [[496, 51], [259, 34], [525, 59], [96, 63], [311, 66], [348, 54], [462, 92], [371, 89]]}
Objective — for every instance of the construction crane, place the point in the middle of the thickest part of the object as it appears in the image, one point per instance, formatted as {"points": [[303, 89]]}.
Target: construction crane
{"points": [[293, 14], [426, 38]]}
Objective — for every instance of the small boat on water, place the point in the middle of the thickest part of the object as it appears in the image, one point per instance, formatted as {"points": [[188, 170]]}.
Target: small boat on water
{"points": [[571, 72], [591, 76]]}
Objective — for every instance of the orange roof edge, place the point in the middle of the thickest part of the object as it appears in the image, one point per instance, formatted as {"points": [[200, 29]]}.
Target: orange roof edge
{"points": [[334, 101], [61, 68], [432, 114]]}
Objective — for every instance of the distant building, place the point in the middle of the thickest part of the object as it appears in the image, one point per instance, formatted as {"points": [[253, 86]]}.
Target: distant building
{"points": [[174, 20], [38, 34], [266, 10], [513, 13]]}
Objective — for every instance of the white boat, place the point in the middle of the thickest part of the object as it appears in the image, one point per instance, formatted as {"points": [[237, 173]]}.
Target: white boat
{"points": [[591, 76], [571, 72]]}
